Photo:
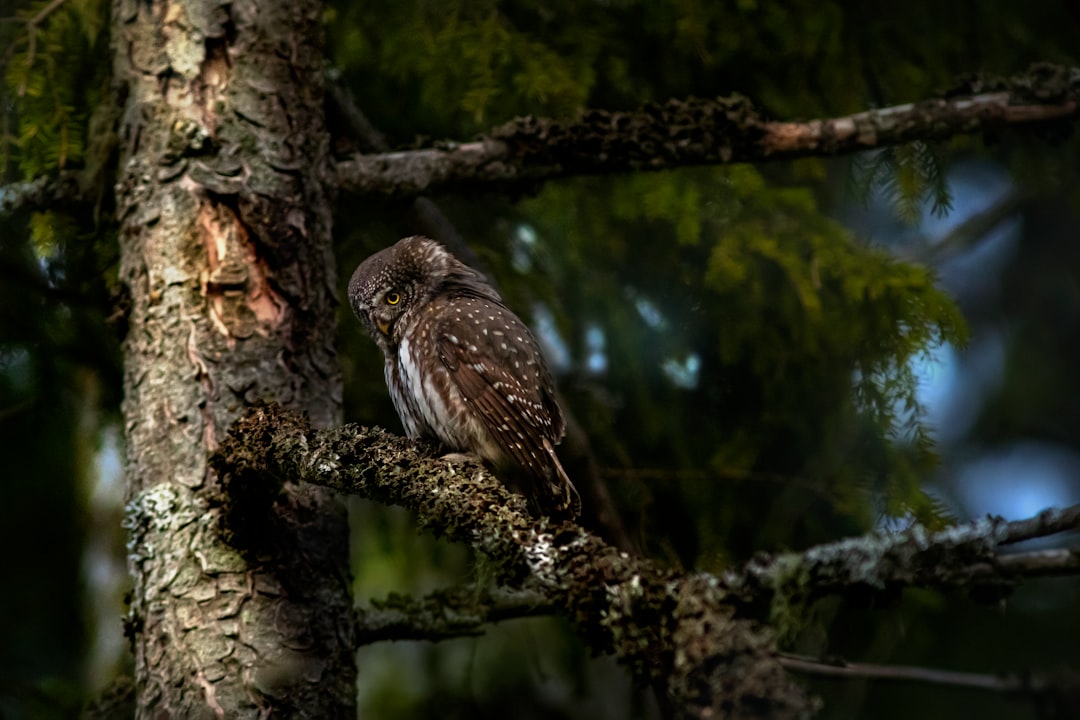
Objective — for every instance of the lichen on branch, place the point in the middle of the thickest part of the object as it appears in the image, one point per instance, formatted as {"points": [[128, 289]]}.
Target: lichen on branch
{"points": [[695, 131], [673, 631], [702, 637]]}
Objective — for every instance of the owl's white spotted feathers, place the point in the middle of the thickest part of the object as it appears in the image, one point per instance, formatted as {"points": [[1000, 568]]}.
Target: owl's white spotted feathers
{"points": [[462, 368]]}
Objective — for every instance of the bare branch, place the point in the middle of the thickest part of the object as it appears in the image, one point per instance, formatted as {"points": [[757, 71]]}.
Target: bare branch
{"points": [[446, 614], [1062, 561], [366, 134], [1049, 522], [837, 667], [1056, 692], [429, 217], [672, 630], [970, 232], [706, 132]]}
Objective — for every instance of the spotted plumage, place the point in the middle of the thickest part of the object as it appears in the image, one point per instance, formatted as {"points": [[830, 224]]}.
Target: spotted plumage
{"points": [[462, 368]]}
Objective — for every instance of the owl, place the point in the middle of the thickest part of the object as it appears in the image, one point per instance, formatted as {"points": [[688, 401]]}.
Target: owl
{"points": [[462, 368]]}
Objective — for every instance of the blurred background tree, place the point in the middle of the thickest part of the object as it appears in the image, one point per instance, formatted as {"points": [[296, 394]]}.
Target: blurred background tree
{"points": [[761, 357]]}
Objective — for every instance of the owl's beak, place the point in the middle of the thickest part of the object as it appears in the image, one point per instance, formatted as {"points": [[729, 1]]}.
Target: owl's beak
{"points": [[384, 327]]}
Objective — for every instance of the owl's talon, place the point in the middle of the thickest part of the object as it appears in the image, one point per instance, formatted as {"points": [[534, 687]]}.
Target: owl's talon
{"points": [[457, 458]]}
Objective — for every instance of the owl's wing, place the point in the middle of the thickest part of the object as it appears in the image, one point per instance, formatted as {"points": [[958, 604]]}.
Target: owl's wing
{"points": [[502, 376], [513, 414]]}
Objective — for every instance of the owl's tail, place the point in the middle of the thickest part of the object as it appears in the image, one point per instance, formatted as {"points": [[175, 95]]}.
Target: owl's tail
{"points": [[561, 497]]}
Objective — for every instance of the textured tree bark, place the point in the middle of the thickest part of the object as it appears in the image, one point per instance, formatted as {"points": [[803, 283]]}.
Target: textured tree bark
{"points": [[226, 254]]}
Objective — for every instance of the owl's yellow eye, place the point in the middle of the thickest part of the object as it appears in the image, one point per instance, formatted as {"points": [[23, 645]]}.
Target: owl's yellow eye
{"points": [[392, 298]]}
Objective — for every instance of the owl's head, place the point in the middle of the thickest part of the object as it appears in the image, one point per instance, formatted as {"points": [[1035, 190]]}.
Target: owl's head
{"points": [[391, 286]]}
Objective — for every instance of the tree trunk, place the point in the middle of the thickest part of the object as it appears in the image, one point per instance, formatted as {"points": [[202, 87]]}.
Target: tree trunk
{"points": [[239, 609]]}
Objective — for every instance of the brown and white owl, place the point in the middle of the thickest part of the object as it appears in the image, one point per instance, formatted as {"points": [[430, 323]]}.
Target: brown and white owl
{"points": [[462, 368]]}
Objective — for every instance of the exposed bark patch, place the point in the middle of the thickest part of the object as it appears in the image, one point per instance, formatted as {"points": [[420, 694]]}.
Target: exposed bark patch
{"points": [[212, 81], [234, 280]]}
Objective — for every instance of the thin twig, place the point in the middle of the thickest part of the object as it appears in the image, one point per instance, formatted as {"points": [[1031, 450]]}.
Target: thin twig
{"points": [[837, 667], [968, 233], [17, 409], [31, 31], [446, 614], [1041, 563], [433, 222], [46, 12], [1048, 522], [370, 139]]}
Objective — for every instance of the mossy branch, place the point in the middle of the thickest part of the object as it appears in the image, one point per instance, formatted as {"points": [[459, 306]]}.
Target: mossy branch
{"points": [[708, 132], [966, 556], [446, 614], [700, 636], [770, 585], [673, 631]]}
